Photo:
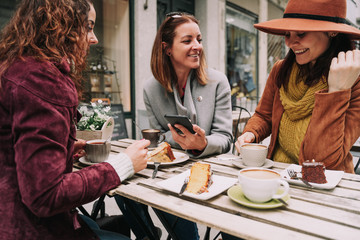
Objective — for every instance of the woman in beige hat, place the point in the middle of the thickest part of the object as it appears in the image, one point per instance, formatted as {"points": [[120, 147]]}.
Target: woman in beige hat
{"points": [[311, 101]]}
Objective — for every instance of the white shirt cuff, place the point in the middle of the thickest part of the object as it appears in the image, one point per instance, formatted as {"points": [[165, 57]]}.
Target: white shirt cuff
{"points": [[122, 165]]}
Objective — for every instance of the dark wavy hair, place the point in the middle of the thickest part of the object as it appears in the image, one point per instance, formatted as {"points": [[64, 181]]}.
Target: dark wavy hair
{"points": [[47, 30], [160, 64], [339, 43]]}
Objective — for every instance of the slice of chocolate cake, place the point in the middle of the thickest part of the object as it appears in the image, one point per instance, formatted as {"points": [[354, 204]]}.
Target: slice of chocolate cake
{"points": [[313, 172]]}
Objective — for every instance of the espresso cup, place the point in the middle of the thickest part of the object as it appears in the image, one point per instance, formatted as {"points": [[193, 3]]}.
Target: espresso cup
{"points": [[154, 136], [260, 185], [97, 150], [253, 154]]}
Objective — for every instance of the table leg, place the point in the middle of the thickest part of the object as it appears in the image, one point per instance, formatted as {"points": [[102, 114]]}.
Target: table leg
{"points": [[153, 234], [166, 224], [100, 203], [99, 206], [207, 233], [83, 211]]}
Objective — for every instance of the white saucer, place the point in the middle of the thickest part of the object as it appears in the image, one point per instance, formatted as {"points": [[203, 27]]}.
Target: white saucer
{"points": [[238, 163], [86, 162]]}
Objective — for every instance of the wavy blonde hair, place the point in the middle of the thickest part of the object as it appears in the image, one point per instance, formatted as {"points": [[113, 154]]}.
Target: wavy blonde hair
{"points": [[160, 64], [47, 30]]}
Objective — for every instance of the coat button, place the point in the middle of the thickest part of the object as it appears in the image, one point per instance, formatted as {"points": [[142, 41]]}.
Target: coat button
{"points": [[199, 98]]}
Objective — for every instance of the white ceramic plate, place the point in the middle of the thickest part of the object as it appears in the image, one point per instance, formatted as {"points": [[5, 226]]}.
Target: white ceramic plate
{"points": [[238, 163], [219, 185], [333, 178], [86, 162], [83, 160], [179, 158]]}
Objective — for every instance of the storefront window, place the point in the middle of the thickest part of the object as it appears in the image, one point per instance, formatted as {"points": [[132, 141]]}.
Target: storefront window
{"points": [[241, 39], [276, 50], [108, 75], [167, 6]]}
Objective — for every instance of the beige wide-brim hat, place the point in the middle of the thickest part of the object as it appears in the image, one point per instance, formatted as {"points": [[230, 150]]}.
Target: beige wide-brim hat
{"points": [[312, 16]]}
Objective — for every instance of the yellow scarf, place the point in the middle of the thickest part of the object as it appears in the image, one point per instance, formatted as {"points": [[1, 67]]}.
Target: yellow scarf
{"points": [[298, 102]]}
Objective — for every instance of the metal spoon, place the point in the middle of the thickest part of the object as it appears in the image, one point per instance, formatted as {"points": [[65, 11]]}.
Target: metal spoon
{"points": [[282, 201]]}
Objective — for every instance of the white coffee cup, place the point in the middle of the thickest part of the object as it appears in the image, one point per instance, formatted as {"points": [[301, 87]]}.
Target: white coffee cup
{"points": [[260, 185], [97, 150], [253, 154]]}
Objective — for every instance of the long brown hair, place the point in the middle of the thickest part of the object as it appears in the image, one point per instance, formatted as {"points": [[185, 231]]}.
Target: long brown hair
{"points": [[47, 30], [339, 43], [161, 65]]}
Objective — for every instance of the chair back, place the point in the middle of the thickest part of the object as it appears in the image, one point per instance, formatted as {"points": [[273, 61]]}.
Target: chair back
{"points": [[239, 123], [355, 151]]}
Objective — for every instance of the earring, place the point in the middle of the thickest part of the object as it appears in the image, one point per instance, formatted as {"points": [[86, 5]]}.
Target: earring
{"points": [[169, 54], [333, 35]]}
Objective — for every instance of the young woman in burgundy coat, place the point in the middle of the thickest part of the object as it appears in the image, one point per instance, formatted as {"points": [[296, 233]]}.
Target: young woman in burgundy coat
{"points": [[42, 53]]}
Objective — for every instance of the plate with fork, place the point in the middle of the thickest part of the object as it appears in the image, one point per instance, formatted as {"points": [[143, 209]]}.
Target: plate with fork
{"points": [[333, 177], [219, 185]]}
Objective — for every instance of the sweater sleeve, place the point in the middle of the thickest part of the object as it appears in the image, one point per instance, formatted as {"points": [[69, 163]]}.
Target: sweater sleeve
{"points": [[122, 165]]}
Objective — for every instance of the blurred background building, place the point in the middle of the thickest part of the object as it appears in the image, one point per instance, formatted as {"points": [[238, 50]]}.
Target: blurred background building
{"points": [[120, 64]]}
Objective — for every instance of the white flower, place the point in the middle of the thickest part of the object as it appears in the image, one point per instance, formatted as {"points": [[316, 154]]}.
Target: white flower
{"points": [[93, 119]]}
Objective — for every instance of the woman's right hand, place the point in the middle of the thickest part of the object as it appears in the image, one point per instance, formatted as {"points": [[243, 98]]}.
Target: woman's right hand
{"points": [[344, 70], [246, 137], [138, 154]]}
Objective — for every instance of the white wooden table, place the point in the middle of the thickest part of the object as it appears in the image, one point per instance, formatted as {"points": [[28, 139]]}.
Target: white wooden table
{"points": [[311, 214]]}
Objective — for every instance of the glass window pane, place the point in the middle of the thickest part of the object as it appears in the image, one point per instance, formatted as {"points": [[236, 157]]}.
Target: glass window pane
{"points": [[109, 60], [241, 66]]}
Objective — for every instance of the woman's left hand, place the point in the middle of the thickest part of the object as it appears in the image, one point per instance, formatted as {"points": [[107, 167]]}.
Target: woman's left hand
{"points": [[79, 147], [344, 70], [187, 140]]}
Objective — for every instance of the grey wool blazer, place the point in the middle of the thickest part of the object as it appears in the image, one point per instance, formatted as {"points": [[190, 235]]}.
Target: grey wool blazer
{"points": [[208, 106]]}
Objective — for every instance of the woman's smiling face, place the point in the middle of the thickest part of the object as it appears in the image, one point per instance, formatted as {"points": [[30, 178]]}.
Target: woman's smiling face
{"points": [[307, 46], [187, 47]]}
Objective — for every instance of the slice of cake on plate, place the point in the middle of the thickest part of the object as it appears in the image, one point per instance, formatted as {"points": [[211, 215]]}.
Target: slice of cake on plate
{"points": [[313, 171], [163, 153], [200, 178]]}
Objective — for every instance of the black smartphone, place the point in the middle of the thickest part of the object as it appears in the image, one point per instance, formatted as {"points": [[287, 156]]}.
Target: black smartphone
{"points": [[181, 120]]}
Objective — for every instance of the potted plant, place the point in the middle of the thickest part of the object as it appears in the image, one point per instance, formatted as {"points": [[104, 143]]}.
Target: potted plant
{"points": [[95, 122]]}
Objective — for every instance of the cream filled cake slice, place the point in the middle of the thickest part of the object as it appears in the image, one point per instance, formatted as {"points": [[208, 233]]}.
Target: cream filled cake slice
{"points": [[163, 153]]}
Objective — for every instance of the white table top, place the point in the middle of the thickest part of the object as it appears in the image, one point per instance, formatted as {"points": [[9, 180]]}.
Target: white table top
{"points": [[311, 214]]}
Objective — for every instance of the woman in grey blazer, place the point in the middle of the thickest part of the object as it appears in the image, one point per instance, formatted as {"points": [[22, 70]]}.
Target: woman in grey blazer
{"points": [[208, 106], [182, 85]]}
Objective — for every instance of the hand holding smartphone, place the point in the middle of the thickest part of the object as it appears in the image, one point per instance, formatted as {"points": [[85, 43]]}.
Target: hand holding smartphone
{"points": [[181, 120]]}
